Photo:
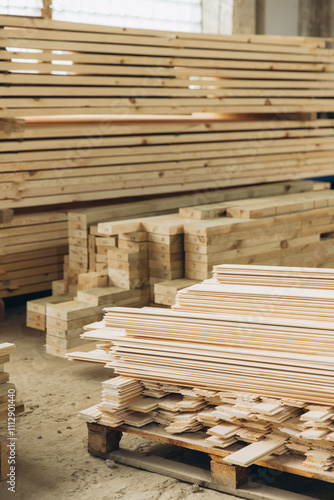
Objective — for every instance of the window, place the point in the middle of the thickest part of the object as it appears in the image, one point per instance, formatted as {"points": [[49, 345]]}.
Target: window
{"points": [[170, 15], [21, 7]]}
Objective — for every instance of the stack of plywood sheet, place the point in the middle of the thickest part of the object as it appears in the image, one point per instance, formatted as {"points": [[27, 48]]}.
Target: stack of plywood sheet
{"points": [[77, 161], [132, 71], [32, 249]]}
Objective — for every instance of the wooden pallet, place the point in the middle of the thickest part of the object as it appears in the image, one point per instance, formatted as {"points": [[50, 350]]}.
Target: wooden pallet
{"points": [[104, 442]]}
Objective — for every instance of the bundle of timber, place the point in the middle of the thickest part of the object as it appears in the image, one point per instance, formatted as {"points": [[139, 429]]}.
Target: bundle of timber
{"points": [[291, 230], [32, 249], [72, 160], [246, 362], [89, 241], [64, 323], [133, 71], [36, 310]]}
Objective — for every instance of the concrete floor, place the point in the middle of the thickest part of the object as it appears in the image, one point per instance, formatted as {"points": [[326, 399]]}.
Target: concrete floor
{"points": [[52, 458]]}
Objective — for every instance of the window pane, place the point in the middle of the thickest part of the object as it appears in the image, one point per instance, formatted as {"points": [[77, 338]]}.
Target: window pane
{"points": [[21, 7], [174, 15]]}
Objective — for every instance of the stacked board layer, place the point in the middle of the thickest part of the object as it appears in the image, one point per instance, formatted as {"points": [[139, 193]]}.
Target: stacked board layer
{"points": [[32, 250], [87, 69], [53, 162]]}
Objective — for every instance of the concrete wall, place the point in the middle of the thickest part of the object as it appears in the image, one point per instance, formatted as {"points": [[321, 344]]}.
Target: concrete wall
{"points": [[281, 17], [316, 18], [244, 16], [217, 16], [272, 17]]}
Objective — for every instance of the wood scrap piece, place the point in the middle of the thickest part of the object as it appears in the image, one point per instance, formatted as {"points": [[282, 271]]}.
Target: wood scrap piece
{"points": [[255, 451]]}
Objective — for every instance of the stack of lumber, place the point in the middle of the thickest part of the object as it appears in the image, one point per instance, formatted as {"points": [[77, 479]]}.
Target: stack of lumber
{"points": [[281, 231], [166, 256], [165, 291], [290, 371], [88, 247], [9, 408], [36, 310], [281, 329], [248, 362], [65, 322], [275, 305], [66, 315], [154, 72], [98, 247], [90, 240], [60, 287], [75, 160], [32, 249], [33, 244], [109, 72], [86, 281], [6, 350], [128, 264]]}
